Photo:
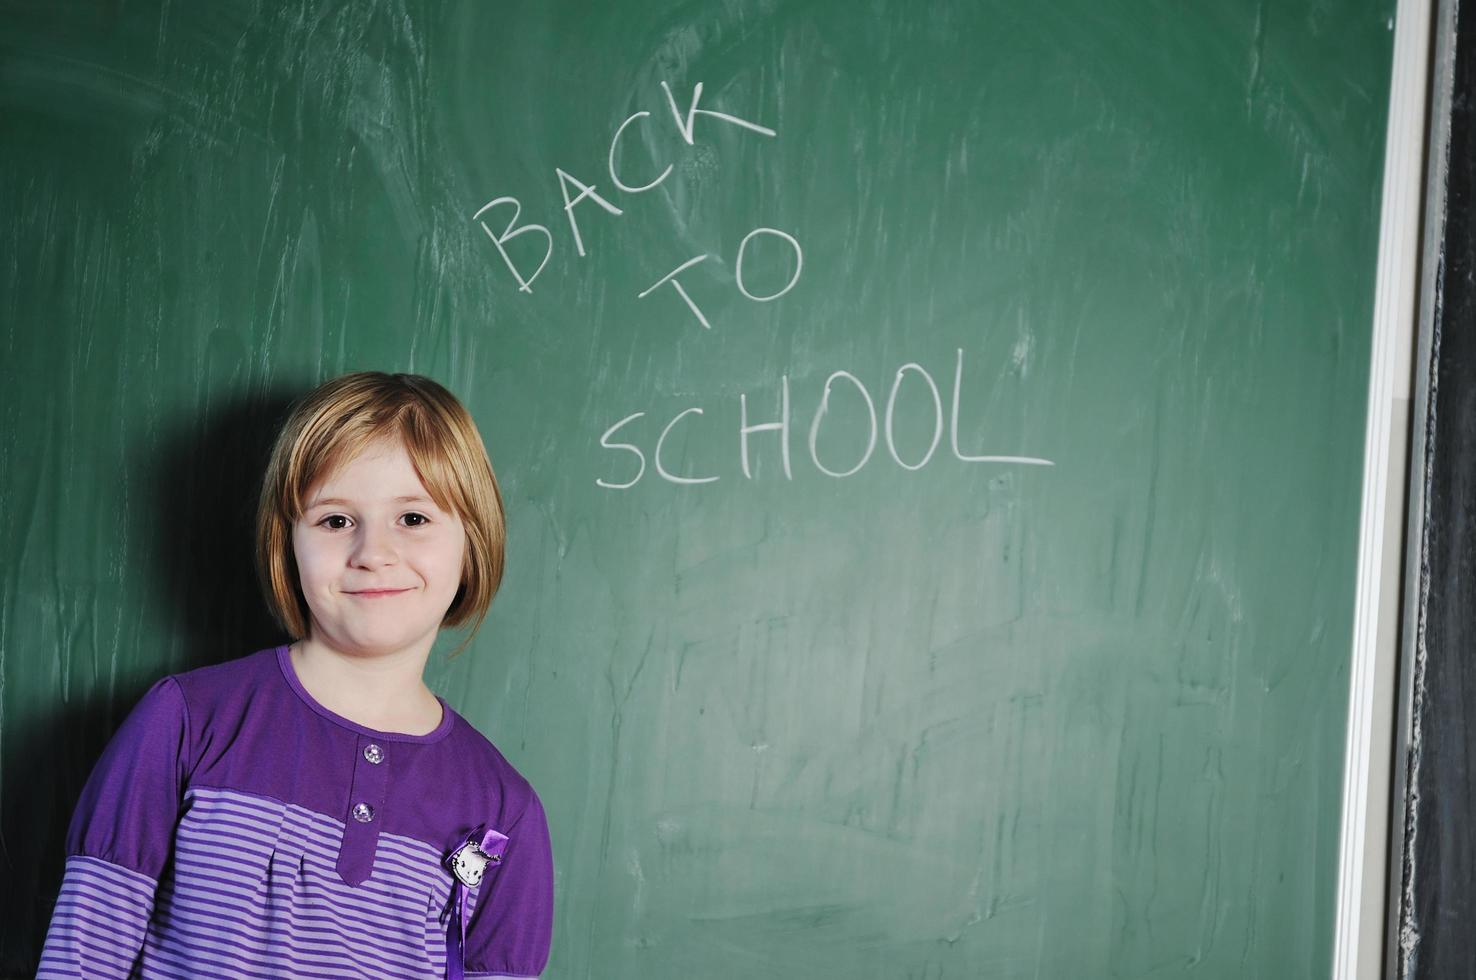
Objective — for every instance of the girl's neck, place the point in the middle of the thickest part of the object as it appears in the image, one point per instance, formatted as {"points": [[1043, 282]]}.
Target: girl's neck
{"points": [[387, 694]]}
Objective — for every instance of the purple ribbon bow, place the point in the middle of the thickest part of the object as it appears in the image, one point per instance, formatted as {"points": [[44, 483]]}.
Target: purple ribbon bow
{"points": [[467, 863]]}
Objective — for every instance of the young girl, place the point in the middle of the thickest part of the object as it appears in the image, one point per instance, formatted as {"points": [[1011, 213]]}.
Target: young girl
{"points": [[314, 810]]}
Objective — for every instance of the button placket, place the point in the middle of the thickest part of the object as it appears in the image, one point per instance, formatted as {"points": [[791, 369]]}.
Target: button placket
{"points": [[363, 811]]}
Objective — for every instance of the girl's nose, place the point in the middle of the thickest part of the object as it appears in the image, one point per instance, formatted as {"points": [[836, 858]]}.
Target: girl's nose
{"points": [[374, 548]]}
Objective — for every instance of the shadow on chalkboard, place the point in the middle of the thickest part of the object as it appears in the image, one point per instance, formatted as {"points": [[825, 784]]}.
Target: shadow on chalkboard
{"points": [[46, 767], [199, 566], [210, 474]]}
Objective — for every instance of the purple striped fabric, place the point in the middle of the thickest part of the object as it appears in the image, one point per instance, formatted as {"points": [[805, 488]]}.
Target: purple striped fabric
{"points": [[215, 838], [100, 918]]}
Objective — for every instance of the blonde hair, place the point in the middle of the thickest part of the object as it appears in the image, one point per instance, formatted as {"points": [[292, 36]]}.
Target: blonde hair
{"points": [[329, 427]]}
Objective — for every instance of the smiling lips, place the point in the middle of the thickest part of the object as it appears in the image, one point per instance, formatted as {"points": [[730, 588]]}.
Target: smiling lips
{"points": [[377, 593]]}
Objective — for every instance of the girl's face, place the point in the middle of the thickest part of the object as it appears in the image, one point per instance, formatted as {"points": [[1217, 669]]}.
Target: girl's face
{"points": [[379, 562]]}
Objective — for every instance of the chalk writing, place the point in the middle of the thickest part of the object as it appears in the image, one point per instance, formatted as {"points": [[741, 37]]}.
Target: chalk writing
{"points": [[799, 263], [508, 234], [575, 192], [671, 277], [782, 426], [685, 124]]}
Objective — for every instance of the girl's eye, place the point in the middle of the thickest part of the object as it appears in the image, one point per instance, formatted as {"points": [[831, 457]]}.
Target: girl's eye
{"points": [[416, 520]]}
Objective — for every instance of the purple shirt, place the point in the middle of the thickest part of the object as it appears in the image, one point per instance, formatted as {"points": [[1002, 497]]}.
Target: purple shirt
{"points": [[234, 827]]}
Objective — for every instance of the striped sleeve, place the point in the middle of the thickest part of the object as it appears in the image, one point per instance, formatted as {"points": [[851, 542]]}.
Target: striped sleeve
{"points": [[511, 926], [120, 839]]}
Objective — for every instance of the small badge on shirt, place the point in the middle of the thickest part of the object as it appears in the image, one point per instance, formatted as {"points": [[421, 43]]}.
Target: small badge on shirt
{"points": [[470, 861]]}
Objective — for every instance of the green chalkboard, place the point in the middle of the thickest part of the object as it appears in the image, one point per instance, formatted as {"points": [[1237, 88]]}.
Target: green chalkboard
{"points": [[1022, 367]]}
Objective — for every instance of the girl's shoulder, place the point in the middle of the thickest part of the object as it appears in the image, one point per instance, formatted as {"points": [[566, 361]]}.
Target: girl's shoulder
{"points": [[469, 758], [228, 675]]}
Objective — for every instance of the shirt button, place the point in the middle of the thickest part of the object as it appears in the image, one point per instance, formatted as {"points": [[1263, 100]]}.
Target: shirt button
{"points": [[374, 753], [363, 812]]}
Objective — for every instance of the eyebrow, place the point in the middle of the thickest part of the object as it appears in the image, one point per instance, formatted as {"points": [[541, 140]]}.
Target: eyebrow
{"points": [[411, 499]]}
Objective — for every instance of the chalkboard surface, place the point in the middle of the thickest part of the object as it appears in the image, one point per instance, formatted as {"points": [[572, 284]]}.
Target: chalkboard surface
{"points": [[932, 450]]}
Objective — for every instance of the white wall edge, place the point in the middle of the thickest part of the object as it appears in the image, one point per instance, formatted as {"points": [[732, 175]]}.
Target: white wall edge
{"points": [[1395, 308]]}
